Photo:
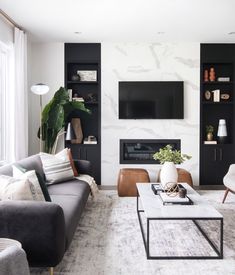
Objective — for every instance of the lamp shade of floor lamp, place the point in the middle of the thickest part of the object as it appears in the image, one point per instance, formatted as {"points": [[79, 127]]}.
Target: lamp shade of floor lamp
{"points": [[40, 89]]}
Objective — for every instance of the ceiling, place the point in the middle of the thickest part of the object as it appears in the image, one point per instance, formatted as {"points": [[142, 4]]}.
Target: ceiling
{"points": [[124, 20]]}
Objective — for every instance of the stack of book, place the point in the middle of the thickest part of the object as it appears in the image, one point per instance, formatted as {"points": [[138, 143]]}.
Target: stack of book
{"points": [[90, 140]]}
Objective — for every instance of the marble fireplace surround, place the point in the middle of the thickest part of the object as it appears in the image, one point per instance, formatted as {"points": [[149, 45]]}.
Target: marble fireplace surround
{"points": [[149, 62]]}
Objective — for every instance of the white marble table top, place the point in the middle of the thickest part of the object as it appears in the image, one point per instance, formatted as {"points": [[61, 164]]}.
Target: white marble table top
{"points": [[154, 208]]}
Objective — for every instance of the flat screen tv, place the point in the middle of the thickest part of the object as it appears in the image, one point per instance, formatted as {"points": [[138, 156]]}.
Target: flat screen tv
{"points": [[151, 100]]}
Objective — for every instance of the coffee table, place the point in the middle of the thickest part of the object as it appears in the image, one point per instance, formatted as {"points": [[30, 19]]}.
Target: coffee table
{"points": [[154, 209]]}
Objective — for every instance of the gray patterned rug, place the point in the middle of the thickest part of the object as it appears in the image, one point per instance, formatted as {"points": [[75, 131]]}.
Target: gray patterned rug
{"points": [[108, 241]]}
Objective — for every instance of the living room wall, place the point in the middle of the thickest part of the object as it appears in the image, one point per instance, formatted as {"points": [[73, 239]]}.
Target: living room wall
{"points": [[136, 62], [128, 61]]}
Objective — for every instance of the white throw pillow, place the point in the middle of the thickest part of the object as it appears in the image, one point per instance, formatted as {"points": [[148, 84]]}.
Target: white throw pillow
{"points": [[32, 177], [57, 167], [14, 189]]}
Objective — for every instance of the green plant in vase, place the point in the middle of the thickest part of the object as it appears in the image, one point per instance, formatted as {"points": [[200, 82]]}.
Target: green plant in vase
{"points": [[209, 132], [169, 157], [54, 115]]}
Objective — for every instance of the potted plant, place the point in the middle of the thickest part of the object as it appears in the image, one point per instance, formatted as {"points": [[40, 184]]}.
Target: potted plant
{"points": [[169, 157], [209, 132], [54, 116]]}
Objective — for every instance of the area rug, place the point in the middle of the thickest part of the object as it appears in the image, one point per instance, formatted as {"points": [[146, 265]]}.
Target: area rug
{"points": [[108, 241]]}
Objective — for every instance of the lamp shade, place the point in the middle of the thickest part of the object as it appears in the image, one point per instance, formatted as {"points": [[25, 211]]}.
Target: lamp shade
{"points": [[70, 132], [222, 129], [40, 89]]}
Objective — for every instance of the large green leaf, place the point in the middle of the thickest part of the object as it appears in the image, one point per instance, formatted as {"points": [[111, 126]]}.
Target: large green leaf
{"points": [[54, 116]]}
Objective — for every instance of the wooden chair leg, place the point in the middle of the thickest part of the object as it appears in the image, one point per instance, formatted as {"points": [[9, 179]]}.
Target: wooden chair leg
{"points": [[51, 270], [225, 195]]}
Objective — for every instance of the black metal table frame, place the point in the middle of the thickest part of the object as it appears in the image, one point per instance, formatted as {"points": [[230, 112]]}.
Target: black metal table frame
{"points": [[218, 250]]}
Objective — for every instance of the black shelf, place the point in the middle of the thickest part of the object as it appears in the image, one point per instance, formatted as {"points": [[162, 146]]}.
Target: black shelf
{"points": [[82, 82], [86, 57], [216, 103], [217, 82], [215, 159]]}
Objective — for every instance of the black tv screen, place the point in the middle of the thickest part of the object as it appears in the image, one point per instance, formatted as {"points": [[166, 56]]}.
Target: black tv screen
{"points": [[151, 100]]}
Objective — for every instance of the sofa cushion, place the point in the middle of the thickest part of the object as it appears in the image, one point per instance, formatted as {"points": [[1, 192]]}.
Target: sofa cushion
{"points": [[73, 187], [73, 207], [57, 168], [29, 163], [17, 189], [21, 172]]}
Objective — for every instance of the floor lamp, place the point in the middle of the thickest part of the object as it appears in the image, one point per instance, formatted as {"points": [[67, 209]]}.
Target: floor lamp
{"points": [[40, 89]]}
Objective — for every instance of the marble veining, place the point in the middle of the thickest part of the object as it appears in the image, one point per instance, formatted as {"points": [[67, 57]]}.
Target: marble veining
{"points": [[149, 62]]}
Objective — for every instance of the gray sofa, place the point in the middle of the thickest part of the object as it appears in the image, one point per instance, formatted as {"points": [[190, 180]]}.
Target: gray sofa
{"points": [[45, 229]]}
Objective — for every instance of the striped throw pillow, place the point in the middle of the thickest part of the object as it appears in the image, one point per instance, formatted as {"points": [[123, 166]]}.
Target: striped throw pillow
{"points": [[57, 167]]}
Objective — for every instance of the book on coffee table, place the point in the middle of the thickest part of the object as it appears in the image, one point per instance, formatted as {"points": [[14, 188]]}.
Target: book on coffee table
{"points": [[174, 199]]}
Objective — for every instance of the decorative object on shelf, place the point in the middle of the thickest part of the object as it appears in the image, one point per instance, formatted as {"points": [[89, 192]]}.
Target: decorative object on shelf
{"points": [[54, 115], [208, 95], [225, 96], [69, 136], [216, 95], [70, 92], [223, 79], [78, 98], [222, 131], [206, 76], [76, 123], [210, 142], [91, 97], [87, 75], [169, 157], [212, 74], [90, 140], [75, 77], [40, 89], [209, 132]]}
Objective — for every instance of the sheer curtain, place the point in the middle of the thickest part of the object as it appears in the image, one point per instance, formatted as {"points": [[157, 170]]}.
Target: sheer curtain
{"points": [[20, 101], [6, 94]]}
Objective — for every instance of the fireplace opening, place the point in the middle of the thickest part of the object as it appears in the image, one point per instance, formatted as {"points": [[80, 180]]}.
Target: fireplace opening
{"points": [[140, 151]]}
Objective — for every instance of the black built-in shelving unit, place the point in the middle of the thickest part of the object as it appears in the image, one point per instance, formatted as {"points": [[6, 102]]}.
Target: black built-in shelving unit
{"points": [[216, 158], [86, 56]]}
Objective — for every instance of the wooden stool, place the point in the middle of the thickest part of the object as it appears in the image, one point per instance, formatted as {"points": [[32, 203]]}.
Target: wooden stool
{"points": [[127, 179], [183, 176]]}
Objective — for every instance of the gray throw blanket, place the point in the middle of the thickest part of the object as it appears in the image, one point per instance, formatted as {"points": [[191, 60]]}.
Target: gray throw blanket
{"points": [[13, 261]]}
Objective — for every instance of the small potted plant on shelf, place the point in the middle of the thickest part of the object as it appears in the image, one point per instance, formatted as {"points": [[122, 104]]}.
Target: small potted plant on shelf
{"points": [[209, 132], [169, 157]]}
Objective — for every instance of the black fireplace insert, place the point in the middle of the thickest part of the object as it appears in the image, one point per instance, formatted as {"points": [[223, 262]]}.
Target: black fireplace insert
{"points": [[140, 151]]}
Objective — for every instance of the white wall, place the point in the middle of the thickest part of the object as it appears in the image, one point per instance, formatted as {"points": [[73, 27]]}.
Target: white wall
{"points": [[126, 61], [47, 66], [136, 62], [6, 31]]}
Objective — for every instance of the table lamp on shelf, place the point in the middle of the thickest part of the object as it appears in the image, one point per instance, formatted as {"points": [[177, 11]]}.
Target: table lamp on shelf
{"points": [[69, 136], [40, 89], [222, 131]]}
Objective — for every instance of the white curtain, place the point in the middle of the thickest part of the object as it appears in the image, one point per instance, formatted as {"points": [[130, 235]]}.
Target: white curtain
{"points": [[7, 98], [20, 101]]}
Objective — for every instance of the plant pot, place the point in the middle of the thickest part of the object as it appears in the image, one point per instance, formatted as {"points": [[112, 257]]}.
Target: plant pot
{"points": [[209, 136], [168, 173]]}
